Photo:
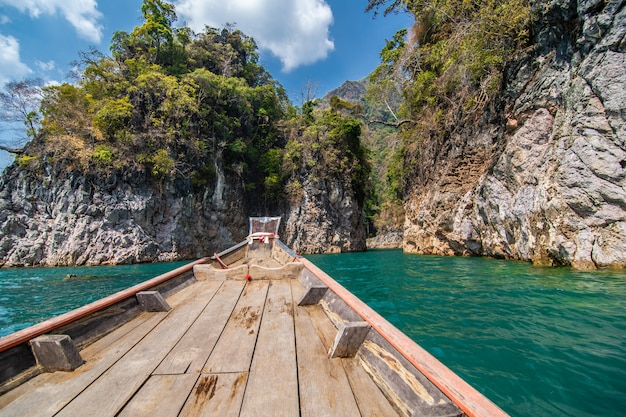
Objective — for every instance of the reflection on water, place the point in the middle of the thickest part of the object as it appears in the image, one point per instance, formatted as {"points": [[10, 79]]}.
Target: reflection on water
{"points": [[536, 341]]}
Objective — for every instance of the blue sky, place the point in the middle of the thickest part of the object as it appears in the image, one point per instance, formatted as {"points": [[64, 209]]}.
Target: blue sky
{"points": [[324, 42]]}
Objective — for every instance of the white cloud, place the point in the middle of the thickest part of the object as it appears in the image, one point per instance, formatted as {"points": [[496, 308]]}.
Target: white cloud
{"points": [[296, 31], [45, 66], [11, 67], [4, 20], [82, 14]]}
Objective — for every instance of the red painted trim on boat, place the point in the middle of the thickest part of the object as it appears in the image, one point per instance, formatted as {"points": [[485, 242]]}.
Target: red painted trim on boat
{"points": [[29, 333], [466, 397]]}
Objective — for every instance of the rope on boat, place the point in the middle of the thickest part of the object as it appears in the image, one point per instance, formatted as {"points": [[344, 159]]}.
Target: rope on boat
{"points": [[224, 266]]}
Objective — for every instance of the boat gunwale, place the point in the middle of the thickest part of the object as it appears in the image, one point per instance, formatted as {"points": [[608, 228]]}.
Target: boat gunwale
{"points": [[22, 336], [466, 397]]}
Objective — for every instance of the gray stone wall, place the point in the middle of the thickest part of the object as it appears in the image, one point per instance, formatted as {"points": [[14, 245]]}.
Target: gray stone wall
{"points": [[60, 218]]}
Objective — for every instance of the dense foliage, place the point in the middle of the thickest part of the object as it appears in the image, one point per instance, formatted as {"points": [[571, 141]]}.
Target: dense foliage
{"points": [[383, 205], [323, 147], [168, 102]]}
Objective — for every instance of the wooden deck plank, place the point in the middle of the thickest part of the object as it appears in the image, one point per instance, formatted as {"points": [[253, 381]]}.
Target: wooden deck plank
{"points": [[234, 349], [273, 382], [46, 394], [370, 399], [41, 379], [217, 395], [108, 394], [53, 397], [324, 386], [161, 396], [193, 350]]}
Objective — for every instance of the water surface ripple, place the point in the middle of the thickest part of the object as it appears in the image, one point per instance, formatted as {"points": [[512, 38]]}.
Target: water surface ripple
{"points": [[31, 295]]}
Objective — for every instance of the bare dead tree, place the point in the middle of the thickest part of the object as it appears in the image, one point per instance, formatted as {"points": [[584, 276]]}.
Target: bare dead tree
{"points": [[19, 110]]}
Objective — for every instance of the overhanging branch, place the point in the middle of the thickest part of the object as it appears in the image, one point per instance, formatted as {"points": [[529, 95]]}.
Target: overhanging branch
{"points": [[390, 124], [17, 151]]}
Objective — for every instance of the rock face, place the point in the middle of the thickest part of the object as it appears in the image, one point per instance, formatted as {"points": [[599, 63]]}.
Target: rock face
{"points": [[56, 218], [389, 240], [325, 218], [61, 218], [545, 179]]}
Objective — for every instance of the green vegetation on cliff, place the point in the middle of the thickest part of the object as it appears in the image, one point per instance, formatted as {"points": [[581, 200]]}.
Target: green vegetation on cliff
{"points": [[323, 145], [435, 78], [168, 102], [174, 104], [449, 65]]}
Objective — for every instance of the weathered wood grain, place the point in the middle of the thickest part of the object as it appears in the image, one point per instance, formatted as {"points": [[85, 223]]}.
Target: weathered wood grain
{"points": [[337, 310], [370, 399], [217, 395], [408, 389], [233, 351], [209, 272], [324, 386], [108, 394], [160, 396], [152, 301], [313, 295], [466, 397], [288, 271], [273, 381], [56, 352], [192, 351], [48, 393], [349, 338]]}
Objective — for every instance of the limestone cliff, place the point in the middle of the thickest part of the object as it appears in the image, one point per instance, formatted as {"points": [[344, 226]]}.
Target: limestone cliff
{"points": [[56, 218], [68, 218], [71, 219], [542, 178]]}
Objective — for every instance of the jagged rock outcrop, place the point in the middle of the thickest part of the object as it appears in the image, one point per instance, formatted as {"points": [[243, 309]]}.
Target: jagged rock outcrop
{"points": [[67, 218], [389, 240], [544, 180], [351, 91]]}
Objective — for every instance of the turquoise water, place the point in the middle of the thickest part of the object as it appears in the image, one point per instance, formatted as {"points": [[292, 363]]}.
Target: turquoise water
{"points": [[536, 341], [31, 295]]}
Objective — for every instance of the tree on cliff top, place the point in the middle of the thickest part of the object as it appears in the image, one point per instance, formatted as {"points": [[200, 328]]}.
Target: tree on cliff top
{"points": [[452, 59]]}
